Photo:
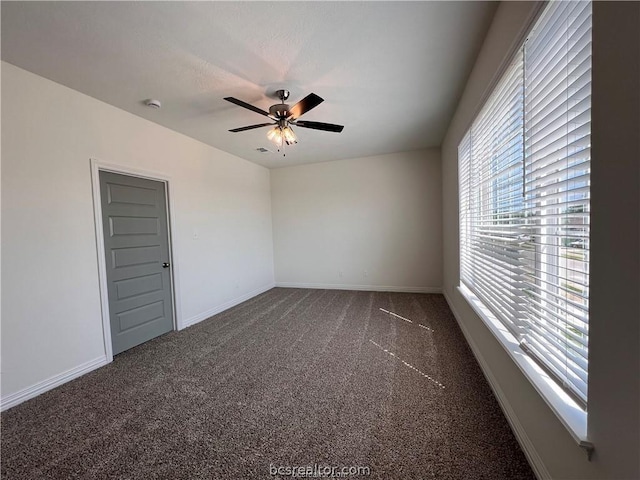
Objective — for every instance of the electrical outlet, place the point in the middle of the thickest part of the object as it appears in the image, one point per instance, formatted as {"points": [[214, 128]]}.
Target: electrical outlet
{"points": [[196, 235], [365, 273], [340, 274]]}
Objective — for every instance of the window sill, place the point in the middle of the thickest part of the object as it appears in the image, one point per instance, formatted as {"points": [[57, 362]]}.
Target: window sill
{"points": [[572, 416]]}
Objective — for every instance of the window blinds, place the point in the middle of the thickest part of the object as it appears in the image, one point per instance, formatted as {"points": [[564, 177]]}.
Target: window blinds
{"points": [[492, 202], [524, 195], [557, 166]]}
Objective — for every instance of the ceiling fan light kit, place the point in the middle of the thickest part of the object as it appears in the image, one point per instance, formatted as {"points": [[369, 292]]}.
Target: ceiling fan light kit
{"points": [[284, 116], [280, 135]]}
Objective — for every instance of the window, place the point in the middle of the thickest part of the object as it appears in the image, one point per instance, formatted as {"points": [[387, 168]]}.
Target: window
{"points": [[524, 170]]}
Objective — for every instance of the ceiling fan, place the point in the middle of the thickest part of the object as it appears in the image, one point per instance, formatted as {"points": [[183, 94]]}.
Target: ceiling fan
{"points": [[284, 116]]}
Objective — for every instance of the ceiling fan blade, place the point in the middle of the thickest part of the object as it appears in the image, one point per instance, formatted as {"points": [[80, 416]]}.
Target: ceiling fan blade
{"points": [[251, 127], [303, 106], [328, 127], [246, 105]]}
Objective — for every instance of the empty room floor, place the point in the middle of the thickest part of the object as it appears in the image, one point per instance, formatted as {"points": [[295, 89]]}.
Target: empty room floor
{"points": [[290, 378]]}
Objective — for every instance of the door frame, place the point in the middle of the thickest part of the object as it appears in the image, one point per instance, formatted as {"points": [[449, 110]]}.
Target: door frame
{"points": [[96, 167]]}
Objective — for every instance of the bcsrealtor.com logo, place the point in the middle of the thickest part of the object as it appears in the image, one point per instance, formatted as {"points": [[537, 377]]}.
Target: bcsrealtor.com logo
{"points": [[318, 471]]}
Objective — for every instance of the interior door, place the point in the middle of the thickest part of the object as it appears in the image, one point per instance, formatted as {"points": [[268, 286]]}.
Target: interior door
{"points": [[136, 240]]}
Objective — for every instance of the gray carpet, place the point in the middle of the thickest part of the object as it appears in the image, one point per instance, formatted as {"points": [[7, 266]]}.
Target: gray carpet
{"points": [[291, 377]]}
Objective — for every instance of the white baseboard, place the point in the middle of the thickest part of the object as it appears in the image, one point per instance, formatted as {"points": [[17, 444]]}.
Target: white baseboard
{"points": [[225, 306], [20, 396], [369, 288], [526, 444]]}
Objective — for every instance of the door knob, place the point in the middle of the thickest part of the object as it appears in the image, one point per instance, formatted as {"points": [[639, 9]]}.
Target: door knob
{"points": [[166, 265]]}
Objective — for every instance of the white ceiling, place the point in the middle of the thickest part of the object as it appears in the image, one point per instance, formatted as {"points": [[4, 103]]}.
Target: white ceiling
{"points": [[390, 72]]}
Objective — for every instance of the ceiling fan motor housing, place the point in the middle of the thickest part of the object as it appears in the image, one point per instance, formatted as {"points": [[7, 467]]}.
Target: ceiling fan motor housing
{"points": [[280, 110]]}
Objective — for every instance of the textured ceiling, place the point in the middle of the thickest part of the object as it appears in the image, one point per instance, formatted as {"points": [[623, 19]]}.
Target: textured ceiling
{"points": [[391, 72]]}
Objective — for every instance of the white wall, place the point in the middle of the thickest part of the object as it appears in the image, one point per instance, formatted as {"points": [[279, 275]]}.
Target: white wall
{"points": [[614, 376], [363, 223], [51, 318]]}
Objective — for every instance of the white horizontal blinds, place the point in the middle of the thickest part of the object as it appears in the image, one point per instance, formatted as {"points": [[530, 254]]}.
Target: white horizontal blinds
{"points": [[524, 169], [491, 200], [556, 184], [464, 176]]}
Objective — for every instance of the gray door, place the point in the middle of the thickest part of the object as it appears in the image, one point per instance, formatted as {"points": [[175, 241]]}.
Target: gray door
{"points": [[136, 241]]}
